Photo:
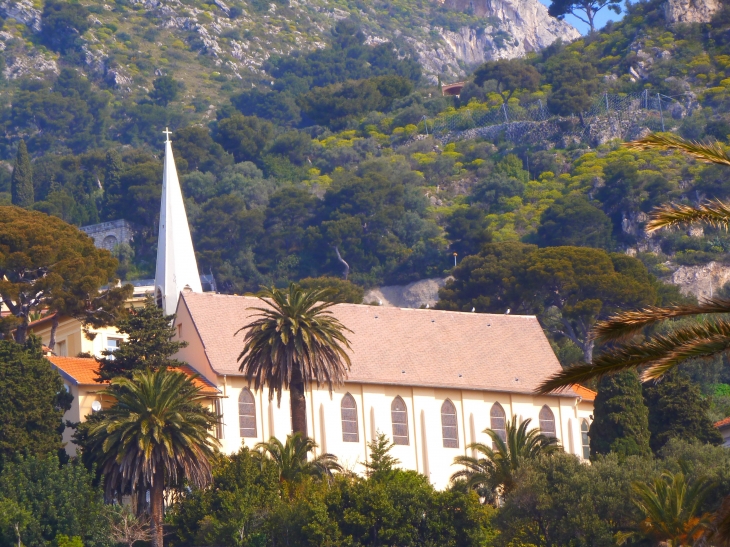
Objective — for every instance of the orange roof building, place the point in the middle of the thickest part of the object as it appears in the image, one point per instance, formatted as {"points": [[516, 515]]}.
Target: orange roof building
{"points": [[79, 375]]}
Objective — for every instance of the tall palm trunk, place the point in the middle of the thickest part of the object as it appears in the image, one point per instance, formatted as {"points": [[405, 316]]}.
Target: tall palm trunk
{"points": [[157, 501], [298, 404]]}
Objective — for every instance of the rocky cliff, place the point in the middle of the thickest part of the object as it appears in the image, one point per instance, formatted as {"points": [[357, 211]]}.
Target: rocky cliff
{"points": [[234, 39], [691, 11], [701, 281], [520, 26]]}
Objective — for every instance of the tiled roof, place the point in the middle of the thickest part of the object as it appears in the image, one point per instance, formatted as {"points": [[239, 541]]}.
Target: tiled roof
{"points": [[415, 347], [722, 424], [79, 370], [82, 371], [584, 392]]}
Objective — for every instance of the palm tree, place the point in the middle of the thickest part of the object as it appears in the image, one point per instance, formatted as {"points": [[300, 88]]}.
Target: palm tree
{"points": [[671, 508], [295, 340], [707, 335], [156, 433], [494, 472], [291, 458]]}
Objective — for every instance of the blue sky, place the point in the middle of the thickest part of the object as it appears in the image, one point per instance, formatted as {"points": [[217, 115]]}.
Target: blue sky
{"points": [[603, 16]]}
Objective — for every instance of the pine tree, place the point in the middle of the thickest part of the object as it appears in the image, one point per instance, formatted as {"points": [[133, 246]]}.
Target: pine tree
{"points": [[21, 184], [149, 344], [677, 409], [112, 184], [381, 462], [34, 401], [621, 419]]}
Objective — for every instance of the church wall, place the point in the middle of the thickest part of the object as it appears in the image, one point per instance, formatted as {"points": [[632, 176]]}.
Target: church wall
{"points": [[425, 451], [194, 353]]}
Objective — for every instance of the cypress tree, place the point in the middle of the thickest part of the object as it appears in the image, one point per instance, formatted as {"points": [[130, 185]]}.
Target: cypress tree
{"points": [[621, 419], [112, 184], [21, 184], [677, 409]]}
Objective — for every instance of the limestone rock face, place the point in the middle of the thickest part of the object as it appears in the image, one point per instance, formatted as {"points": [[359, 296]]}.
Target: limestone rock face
{"points": [[413, 295], [519, 27], [701, 281], [690, 11]]}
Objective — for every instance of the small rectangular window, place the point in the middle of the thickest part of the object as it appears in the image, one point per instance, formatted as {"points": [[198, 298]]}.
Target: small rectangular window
{"points": [[60, 349]]}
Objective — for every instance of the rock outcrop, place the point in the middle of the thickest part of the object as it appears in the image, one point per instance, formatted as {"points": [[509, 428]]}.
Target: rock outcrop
{"points": [[413, 295], [524, 24], [691, 11], [701, 281], [514, 28]]}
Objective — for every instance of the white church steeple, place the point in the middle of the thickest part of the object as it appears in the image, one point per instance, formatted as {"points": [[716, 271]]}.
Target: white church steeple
{"points": [[176, 265]]}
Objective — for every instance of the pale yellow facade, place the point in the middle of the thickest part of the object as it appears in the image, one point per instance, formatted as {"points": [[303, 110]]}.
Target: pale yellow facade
{"points": [[72, 341], [425, 451]]}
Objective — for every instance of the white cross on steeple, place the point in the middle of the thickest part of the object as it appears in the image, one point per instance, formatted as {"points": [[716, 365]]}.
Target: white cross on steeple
{"points": [[168, 133]]}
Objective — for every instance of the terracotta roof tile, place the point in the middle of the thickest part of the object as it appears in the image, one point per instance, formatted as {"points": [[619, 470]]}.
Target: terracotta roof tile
{"points": [[722, 423], [82, 371], [584, 392], [416, 347]]}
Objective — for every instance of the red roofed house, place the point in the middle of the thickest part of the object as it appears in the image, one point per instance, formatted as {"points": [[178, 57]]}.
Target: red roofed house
{"points": [[431, 380], [724, 427], [79, 374]]}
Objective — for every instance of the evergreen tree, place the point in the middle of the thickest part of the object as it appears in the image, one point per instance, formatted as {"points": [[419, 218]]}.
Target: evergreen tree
{"points": [[112, 185], [381, 462], [33, 400], [677, 409], [149, 344], [21, 184], [621, 420]]}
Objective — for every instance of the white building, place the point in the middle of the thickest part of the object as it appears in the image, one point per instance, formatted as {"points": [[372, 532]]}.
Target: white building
{"points": [[432, 381]]}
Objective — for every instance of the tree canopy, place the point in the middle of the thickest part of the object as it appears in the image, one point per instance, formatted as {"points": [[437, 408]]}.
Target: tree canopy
{"points": [[621, 419], [48, 265], [31, 417], [570, 288]]}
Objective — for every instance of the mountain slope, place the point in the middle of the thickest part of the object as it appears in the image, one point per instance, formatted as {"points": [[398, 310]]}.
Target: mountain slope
{"points": [[128, 42]]}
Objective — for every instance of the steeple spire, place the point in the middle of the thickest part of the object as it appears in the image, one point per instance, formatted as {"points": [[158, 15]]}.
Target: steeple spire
{"points": [[176, 265]]}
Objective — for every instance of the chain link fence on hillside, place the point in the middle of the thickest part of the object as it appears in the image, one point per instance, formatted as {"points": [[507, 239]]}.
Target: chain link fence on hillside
{"points": [[611, 116]]}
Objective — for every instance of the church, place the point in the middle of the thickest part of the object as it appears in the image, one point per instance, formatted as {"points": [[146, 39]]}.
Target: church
{"points": [[432, 381]]}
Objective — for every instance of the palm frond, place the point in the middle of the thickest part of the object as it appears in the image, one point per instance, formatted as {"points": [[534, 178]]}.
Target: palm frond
{"points": [[626, 324], [714, 212], [659, 354], [704, 152]]}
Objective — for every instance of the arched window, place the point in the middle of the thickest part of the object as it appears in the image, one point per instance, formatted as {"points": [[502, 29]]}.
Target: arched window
{"points": [[247, 414], [399, 416], [585, 441], [449, 429], [497, 421], [547, 422], [348, 407]]}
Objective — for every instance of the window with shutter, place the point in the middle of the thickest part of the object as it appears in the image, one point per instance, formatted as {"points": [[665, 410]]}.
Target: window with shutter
{"points": [[399, 416], [497, 421], [449, 429], [547, 422], [348, 408], [247, 414]]}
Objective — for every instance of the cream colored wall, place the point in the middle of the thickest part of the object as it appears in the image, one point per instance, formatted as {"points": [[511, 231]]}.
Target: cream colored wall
{"points": [[194, 352], [84, 396], [425, 452], [70, 332]]}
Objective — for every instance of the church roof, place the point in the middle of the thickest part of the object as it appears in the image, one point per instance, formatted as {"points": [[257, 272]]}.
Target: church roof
{"points": [[399, 346], [82, 371]]}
